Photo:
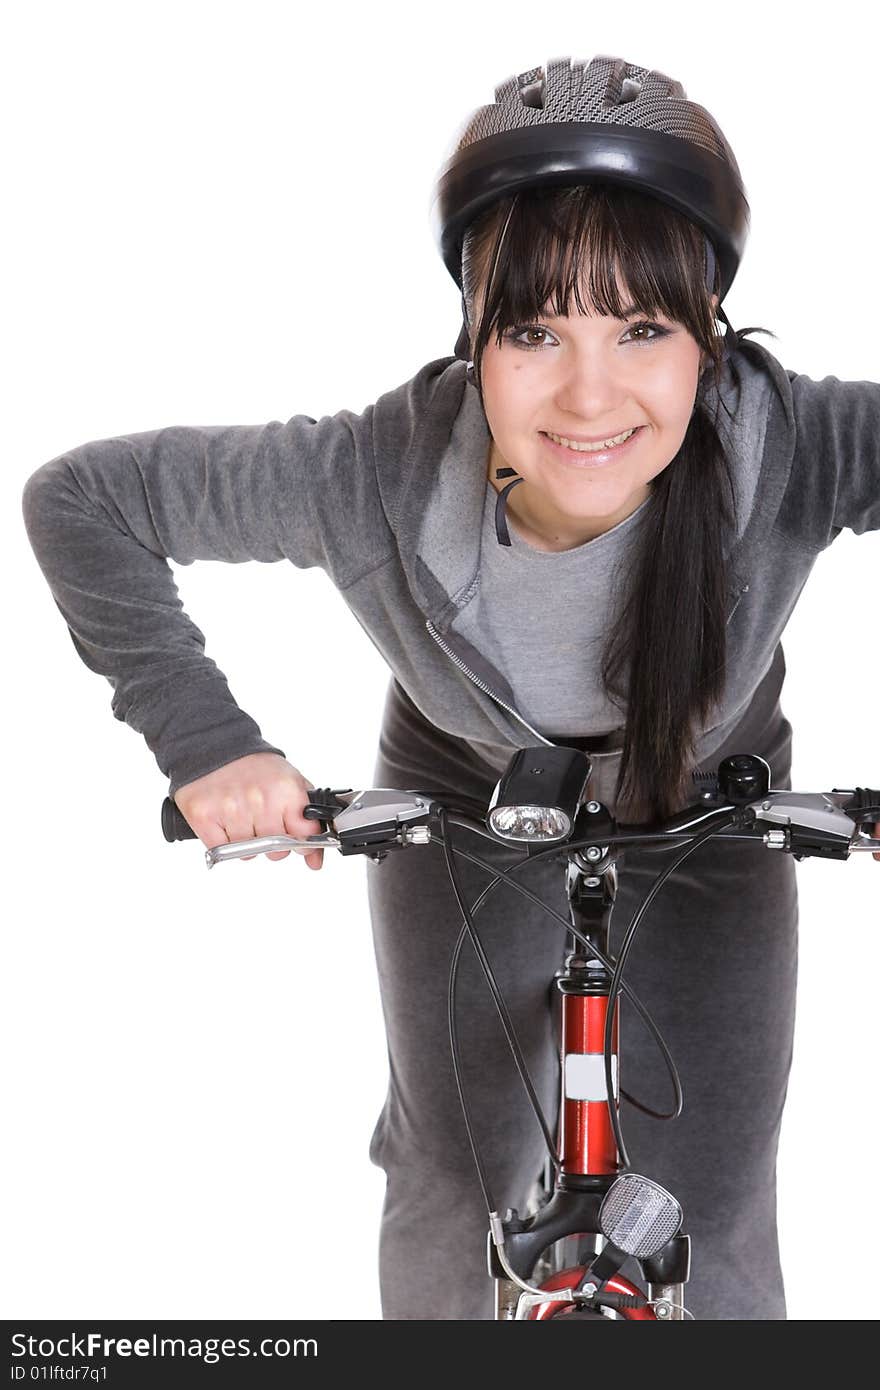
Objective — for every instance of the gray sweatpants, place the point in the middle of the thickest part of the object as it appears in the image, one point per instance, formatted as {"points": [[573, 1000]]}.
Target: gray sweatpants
{"points": [[715, 963]]}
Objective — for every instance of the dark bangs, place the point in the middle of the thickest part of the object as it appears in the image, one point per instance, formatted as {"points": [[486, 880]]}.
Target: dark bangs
{"points": [[550, 250]]}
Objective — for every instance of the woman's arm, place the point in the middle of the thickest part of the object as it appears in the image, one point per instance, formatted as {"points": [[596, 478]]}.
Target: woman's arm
{"points": [[835, 478], [103, 517]]}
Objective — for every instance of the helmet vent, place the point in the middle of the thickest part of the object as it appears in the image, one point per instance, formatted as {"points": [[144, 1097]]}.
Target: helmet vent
{"points": [[630, 89], [531, 88]]}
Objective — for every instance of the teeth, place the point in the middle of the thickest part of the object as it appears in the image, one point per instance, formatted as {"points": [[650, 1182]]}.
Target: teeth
{"points": [[590, 448]]}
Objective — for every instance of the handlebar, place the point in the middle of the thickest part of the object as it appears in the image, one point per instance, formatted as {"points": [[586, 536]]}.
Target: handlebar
{"points": [[379, 819]]}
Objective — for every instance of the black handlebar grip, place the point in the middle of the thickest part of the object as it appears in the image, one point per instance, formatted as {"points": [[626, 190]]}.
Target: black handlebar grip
{"points": [[174, 825]]}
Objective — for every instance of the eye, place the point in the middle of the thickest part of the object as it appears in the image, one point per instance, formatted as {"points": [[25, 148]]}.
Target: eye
{"points": [[513, 335], [655, 328]]}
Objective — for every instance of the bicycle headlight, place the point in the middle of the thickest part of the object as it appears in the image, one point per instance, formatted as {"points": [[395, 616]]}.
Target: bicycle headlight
{"points": [[539, 795]]}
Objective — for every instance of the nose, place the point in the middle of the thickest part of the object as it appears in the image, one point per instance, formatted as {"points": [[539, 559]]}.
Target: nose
{"points": [[594, 386]]}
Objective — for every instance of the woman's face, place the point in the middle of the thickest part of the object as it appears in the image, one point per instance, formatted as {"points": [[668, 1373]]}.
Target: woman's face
{"points": [[592, 376]]}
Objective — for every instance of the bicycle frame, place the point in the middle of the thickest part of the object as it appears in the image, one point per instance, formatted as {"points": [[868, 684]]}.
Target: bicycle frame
{"points": [[589, 1160]]}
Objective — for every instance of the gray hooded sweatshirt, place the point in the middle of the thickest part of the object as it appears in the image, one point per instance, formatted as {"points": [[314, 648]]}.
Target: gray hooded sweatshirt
{"points": [[391, 504]]}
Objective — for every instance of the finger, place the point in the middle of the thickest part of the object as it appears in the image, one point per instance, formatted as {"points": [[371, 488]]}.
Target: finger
{"points": [[876, 835], [210, 829], [302, 829], [314, 857], [269, 820], [238, 822]]}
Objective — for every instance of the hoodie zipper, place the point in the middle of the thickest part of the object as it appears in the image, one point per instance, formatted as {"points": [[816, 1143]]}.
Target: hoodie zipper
{"points": [[482, 684], [743, 590]]}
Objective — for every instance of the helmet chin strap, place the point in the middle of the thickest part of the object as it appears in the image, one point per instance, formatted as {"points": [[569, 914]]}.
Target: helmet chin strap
{"points": [[462, 349], [501, 530]]}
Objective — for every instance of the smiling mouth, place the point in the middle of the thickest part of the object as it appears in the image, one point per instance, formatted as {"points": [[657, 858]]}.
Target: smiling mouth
{"points": [[587, 460], [596, 446]]}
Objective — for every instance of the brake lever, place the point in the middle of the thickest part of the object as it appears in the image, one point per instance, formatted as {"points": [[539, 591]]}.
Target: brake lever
{"points": [[864, 842], [807, 824], [264, 844]]}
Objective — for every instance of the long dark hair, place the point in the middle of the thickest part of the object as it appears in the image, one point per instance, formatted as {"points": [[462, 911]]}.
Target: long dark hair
{"points": [[665, 658]]}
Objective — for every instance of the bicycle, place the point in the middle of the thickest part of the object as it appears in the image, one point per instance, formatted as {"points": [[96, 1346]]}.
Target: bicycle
{"points": [[588, 1213]]}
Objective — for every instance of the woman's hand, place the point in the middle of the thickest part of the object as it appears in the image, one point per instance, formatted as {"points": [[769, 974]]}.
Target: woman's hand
{"points": [[876, 835], [260, 794]]}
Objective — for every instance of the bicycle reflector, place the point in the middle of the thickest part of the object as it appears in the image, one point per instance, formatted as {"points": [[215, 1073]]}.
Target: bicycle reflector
{"points": [[639, 1216], [540, 794]]}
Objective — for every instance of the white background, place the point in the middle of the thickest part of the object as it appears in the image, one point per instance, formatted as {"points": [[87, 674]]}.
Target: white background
{"points": [[218, 214]]}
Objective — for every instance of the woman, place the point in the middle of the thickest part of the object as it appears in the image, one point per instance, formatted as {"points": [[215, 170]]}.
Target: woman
{"points": [[629, 603]]}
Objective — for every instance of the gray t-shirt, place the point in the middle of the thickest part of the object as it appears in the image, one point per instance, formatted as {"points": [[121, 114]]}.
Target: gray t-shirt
{"points": [[545, 619]]}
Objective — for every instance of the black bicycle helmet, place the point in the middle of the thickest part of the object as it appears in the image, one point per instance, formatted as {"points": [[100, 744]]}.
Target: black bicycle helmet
{"points": [[572, 122]]}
